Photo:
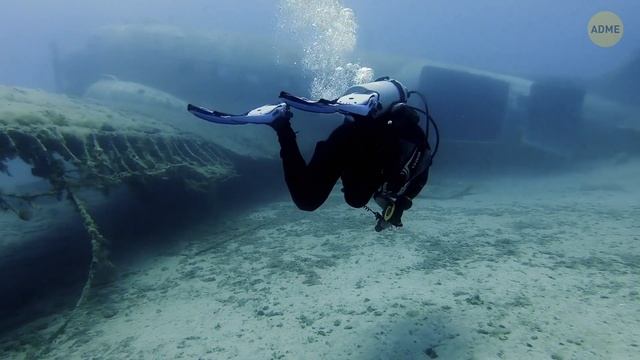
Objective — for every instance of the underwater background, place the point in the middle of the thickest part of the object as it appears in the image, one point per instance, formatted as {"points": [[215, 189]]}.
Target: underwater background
{"points": [[129, 229]]}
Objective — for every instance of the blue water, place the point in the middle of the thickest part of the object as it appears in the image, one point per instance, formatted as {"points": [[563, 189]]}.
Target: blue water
{"points": [[523, 244]]}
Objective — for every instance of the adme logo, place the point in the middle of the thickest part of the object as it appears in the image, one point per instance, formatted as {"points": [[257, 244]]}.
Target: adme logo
{"points": [[605, 29]]}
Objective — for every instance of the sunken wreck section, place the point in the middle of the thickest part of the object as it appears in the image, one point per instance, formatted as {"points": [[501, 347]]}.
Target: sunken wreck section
{"points": [[207, 68], [473, 105], [79, 147], [75, 145], [71, 143]]}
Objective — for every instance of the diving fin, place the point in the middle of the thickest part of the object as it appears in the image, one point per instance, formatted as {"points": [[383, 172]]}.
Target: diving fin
{"points": [[362, 104], [263, 115], [349, 104], [370, 99]]}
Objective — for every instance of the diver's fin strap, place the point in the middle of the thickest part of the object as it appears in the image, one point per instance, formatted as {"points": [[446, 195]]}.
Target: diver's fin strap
{"points": [[262, 115], [350, 104]]}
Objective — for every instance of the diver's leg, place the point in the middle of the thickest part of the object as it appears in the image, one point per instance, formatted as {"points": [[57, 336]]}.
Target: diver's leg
{"points": [[363, 177], [359, 185], [311, 184]]}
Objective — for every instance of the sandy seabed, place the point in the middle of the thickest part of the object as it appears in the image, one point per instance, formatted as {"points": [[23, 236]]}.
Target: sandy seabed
{"points": [[542, 268]]}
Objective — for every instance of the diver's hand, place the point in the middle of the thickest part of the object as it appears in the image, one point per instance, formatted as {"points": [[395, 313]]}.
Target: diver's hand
{"points": [[392, 213], [381, 225]]}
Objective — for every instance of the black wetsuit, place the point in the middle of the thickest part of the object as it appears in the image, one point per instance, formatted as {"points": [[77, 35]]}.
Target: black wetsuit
{"points": [[369, 155]]}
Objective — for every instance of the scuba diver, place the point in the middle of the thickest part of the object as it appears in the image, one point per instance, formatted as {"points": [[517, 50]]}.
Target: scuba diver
{"points": [[380, 150]]}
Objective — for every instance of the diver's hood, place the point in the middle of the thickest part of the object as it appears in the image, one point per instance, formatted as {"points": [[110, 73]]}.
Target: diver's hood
{"points": [[370, 99]]}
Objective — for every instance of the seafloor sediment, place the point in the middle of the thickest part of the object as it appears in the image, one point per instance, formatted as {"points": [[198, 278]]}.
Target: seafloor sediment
{"points": [[541, 268]]}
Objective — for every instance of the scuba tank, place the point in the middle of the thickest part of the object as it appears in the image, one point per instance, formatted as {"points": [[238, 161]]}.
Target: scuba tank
{"points": [[389, 92]]}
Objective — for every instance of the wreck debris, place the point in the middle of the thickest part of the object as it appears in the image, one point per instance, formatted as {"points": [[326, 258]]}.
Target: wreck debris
{"points": [[474, 105], [53, 133], [191, 65], [137, 98], [75, 145]]}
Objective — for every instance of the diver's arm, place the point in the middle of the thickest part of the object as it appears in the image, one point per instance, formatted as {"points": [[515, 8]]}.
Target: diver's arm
{"points": [[410, 132], [416, 185], [398, 203]]}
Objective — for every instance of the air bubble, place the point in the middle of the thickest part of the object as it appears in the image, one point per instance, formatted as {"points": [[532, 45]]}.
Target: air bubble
{"points": [[326, 31]]}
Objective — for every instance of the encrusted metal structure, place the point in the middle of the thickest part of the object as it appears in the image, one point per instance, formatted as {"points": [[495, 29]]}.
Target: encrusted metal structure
{"points": [[102, 147], [75, 144]]}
